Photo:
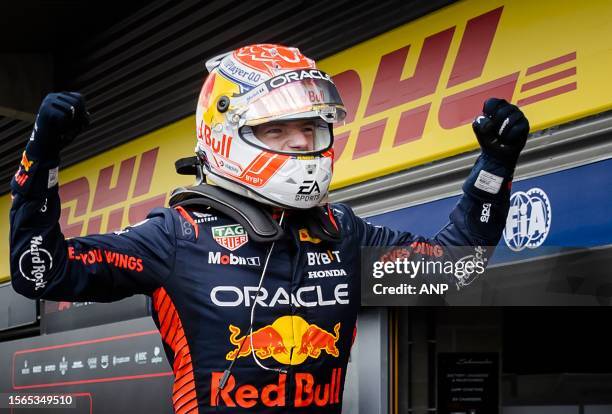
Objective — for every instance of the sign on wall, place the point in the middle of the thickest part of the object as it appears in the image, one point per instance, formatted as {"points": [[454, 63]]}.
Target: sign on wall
{"points": [[411, 93], [103, 370], [468, 383]]}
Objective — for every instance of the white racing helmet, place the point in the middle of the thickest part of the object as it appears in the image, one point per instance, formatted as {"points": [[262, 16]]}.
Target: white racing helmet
{"points": [[258, 84]]}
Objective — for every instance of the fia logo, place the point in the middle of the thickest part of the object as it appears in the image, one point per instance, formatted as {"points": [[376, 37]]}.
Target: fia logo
{"points": [[528, 221]]}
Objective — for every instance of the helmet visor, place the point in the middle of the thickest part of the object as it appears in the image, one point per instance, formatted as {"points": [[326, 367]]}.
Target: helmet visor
{"points": [[294, 137], [285, 100]]}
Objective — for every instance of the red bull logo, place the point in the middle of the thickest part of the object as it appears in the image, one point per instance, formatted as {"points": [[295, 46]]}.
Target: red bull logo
{"points": [[308, 391], [289, 340], [265, 341], [220, 146], [25, 163], [315, 340]]}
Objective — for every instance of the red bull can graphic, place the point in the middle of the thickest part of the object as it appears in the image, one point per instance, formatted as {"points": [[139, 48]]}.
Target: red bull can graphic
{"points": [[290, 340]]}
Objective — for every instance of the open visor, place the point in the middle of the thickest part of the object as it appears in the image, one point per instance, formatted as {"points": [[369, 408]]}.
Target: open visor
{"points": [[313, 130], [301, 99]]}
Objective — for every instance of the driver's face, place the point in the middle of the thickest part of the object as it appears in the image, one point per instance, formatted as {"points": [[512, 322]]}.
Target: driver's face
{"points": [[289, 136]]}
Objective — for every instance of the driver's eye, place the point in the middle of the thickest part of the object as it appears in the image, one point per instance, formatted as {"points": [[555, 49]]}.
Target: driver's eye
{"points": [[273, 131]]}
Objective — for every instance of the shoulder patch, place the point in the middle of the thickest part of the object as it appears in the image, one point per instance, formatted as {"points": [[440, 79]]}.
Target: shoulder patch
{"points": [[188, 228]]}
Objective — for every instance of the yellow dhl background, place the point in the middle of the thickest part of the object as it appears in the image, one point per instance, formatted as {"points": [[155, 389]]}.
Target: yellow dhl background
{"points": [[526, 35]]}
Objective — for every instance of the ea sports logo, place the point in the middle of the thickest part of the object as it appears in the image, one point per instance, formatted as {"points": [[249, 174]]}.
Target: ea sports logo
{"points": [[528, 221]]}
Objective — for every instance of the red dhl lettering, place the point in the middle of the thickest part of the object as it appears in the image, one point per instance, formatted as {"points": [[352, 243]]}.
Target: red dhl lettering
{"points": [[390, 91], [307, 391], [105, 195], [119, 260]]}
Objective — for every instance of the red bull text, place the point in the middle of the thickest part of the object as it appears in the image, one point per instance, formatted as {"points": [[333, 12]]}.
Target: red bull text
{"points": [[307, 391]]}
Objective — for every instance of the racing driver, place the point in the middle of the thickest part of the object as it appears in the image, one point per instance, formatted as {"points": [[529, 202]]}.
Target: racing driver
{"points": [[254, 277]]}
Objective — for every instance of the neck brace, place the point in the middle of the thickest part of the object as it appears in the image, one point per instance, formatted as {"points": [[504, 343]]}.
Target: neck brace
{"points": [[254, 217]]}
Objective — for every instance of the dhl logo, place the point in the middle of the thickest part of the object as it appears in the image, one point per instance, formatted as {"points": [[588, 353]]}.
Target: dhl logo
{"points": [[289, 340], [394, 96], [83, 213]]}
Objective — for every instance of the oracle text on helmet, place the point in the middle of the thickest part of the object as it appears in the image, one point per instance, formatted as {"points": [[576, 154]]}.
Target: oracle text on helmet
{"points": [[297, 75]]}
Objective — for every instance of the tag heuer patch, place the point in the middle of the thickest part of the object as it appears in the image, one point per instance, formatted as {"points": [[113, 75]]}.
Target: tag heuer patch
{"points": [[231, 236]]}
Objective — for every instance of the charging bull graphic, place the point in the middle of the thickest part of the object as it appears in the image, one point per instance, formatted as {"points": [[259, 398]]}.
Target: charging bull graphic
{"points": [[289, 340], [266, 342], [315, 339]]}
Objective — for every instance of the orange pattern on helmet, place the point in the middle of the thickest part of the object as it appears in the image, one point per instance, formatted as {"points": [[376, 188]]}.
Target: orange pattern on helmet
{"points": [[263, 168], [268, 58], [231, 154]]}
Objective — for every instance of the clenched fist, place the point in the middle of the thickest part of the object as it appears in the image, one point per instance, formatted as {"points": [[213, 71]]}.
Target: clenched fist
{"points": [[61, 117], [501, 130]]}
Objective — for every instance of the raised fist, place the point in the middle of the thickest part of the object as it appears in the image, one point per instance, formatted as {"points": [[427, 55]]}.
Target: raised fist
{"points": [[501, 130], [61, 117]]}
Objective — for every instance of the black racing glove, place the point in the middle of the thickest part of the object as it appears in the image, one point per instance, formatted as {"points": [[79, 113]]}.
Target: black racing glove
{"points": [[61, 117], [501, 131]]}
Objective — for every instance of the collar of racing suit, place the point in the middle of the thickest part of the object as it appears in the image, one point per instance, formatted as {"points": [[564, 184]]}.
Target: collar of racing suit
{"points": [[254, 217]]}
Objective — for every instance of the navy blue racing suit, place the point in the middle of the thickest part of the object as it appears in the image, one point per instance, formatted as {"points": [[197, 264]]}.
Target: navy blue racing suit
{"points": [[202, 271]]}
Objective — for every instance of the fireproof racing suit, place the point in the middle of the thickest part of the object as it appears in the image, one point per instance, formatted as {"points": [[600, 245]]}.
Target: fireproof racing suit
{"points": [[202, 271]]}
